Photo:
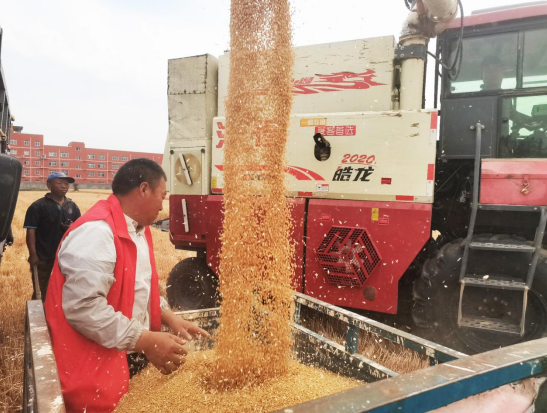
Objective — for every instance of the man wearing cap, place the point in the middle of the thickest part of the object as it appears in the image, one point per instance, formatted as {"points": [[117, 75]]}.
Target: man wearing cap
{"points": [[46, 222]]}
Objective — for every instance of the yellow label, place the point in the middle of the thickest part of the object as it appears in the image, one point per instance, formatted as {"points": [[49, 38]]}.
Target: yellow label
{"points": [[214, 182], [375, 213], [313, 122]]}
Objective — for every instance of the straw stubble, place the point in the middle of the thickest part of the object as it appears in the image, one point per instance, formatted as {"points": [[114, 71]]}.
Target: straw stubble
{"points": [[253, 340]]}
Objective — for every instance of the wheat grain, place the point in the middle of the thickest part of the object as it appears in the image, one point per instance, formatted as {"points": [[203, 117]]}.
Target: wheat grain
{"points": [[253, 340], [192, 389]]}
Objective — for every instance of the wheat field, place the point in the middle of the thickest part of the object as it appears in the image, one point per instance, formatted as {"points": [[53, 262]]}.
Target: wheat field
{"points": [[16, 288]]}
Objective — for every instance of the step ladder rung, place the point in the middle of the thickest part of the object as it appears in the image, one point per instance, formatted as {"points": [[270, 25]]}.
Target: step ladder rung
{"points": [[471, 281], [501, 246], [490, 324], [521, 208]]}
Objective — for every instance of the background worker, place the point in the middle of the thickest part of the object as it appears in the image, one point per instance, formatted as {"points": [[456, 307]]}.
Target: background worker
{"points": [[46, 222], [104, 296]]}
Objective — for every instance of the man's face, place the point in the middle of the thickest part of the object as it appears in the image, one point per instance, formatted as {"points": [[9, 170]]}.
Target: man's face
{"points": [[151, 203], [58, 186]]}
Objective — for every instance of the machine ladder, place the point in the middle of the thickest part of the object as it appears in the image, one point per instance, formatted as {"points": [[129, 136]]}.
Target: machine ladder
{"points": [[489, 281]]}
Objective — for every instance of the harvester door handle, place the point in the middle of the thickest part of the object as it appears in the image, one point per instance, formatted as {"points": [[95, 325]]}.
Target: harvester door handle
{"points": [[185, 169], [185, 216]]}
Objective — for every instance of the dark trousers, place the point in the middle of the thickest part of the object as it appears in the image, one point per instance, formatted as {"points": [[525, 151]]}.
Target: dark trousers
{"points": [[136, 363], [44, 271]]}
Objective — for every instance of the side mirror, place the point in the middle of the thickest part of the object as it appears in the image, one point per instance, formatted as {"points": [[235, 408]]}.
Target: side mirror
{"points": [[10, 179]]}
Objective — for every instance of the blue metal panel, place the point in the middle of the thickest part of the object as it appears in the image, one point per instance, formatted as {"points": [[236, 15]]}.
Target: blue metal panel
{"points": [[431, 388], [436, 351]]}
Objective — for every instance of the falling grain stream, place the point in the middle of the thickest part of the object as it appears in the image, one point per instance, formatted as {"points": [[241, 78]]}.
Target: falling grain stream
{"points": [[250, 368]]}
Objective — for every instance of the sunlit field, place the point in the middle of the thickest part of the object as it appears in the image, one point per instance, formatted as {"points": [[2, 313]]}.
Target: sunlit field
{"points": [[16, 289]]}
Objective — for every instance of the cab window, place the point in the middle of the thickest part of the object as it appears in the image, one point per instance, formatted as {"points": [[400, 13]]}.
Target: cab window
{"points": [[523, 126], [535, 59], [489, 63]]}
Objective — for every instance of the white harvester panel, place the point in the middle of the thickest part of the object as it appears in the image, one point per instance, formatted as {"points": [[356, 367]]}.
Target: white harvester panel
{"points": [[380, 156], [192, 102], [192, 97], [349, 76], [190, 168]]}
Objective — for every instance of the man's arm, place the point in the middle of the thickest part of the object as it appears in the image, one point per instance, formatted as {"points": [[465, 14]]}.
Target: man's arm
{"points": [[87, 259], [31, 245], [32, 221]]}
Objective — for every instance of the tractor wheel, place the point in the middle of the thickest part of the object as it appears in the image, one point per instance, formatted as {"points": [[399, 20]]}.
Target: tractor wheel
{"points": [[436, 297], [192, 285]]}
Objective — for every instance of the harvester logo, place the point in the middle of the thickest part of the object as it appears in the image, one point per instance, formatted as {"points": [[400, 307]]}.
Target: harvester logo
{"points": [[359, 174], [348, 256], [301, 174], [335, 82]]}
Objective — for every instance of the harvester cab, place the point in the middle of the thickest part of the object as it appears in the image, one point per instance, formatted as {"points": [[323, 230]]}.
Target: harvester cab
{"points": [[488, 289], [371, 174]]}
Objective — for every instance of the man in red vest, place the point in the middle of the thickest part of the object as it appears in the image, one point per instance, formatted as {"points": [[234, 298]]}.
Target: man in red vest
{"points": [[103, 305]]}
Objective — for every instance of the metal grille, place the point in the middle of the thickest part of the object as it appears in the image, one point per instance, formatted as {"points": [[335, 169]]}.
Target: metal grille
{"points": [[348, 256]]}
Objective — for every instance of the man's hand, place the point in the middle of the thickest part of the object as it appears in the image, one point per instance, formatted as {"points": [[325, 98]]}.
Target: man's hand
{"points": [[31, 245], [165, 351], [181, 327], [33, 260]]}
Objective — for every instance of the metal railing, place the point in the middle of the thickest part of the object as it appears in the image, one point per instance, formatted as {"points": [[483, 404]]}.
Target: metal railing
{"points": [[41, 385]]}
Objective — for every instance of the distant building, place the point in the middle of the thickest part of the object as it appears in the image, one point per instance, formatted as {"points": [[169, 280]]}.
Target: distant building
{"points": [[85, 165]]}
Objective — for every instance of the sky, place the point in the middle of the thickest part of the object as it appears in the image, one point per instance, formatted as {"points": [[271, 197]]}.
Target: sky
{"points": [[96, 70]]}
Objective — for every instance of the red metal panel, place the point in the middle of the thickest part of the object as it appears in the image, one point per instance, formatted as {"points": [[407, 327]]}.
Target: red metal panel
{"points": [[214, 219], [499, 16], [434, 120], [205, 215], [514, 181], [398, 230], [404, 197], [430, 172], [196, 208]]}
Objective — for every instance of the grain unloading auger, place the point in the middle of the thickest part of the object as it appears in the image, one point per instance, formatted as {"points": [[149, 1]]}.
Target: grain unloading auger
{"points": [[397, 210]]}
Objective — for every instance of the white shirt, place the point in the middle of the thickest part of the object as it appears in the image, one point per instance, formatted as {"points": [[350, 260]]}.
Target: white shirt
{"points": [[87, 259]]}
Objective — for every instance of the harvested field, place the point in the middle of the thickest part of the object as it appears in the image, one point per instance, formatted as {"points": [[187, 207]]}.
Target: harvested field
{"points": [[16, 288], [190, 389]]}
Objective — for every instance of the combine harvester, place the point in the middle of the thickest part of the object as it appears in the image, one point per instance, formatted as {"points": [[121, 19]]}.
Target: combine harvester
{"points": [[369, 182], [372, 175]]}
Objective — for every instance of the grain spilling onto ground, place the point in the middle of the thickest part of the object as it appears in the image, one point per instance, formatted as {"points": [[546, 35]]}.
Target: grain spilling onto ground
{"points": [[253, 341], [190, 390]]}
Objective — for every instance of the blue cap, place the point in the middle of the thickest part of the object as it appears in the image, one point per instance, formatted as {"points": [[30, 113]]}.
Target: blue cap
{"points": [[61, 175]]}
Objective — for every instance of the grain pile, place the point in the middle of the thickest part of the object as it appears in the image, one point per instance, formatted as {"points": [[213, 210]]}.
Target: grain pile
{"points": [[189, 389], [253, 341]]}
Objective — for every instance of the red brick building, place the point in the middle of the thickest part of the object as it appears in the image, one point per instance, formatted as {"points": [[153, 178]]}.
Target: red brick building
{"points": [[85, 165]]}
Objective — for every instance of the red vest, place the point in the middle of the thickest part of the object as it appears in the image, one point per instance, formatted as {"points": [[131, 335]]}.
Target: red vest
{"points": [[94, 377]]}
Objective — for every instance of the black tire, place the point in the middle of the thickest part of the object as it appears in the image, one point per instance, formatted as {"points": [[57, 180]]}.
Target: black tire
{"points": [[436, 297], [192, 285]]}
